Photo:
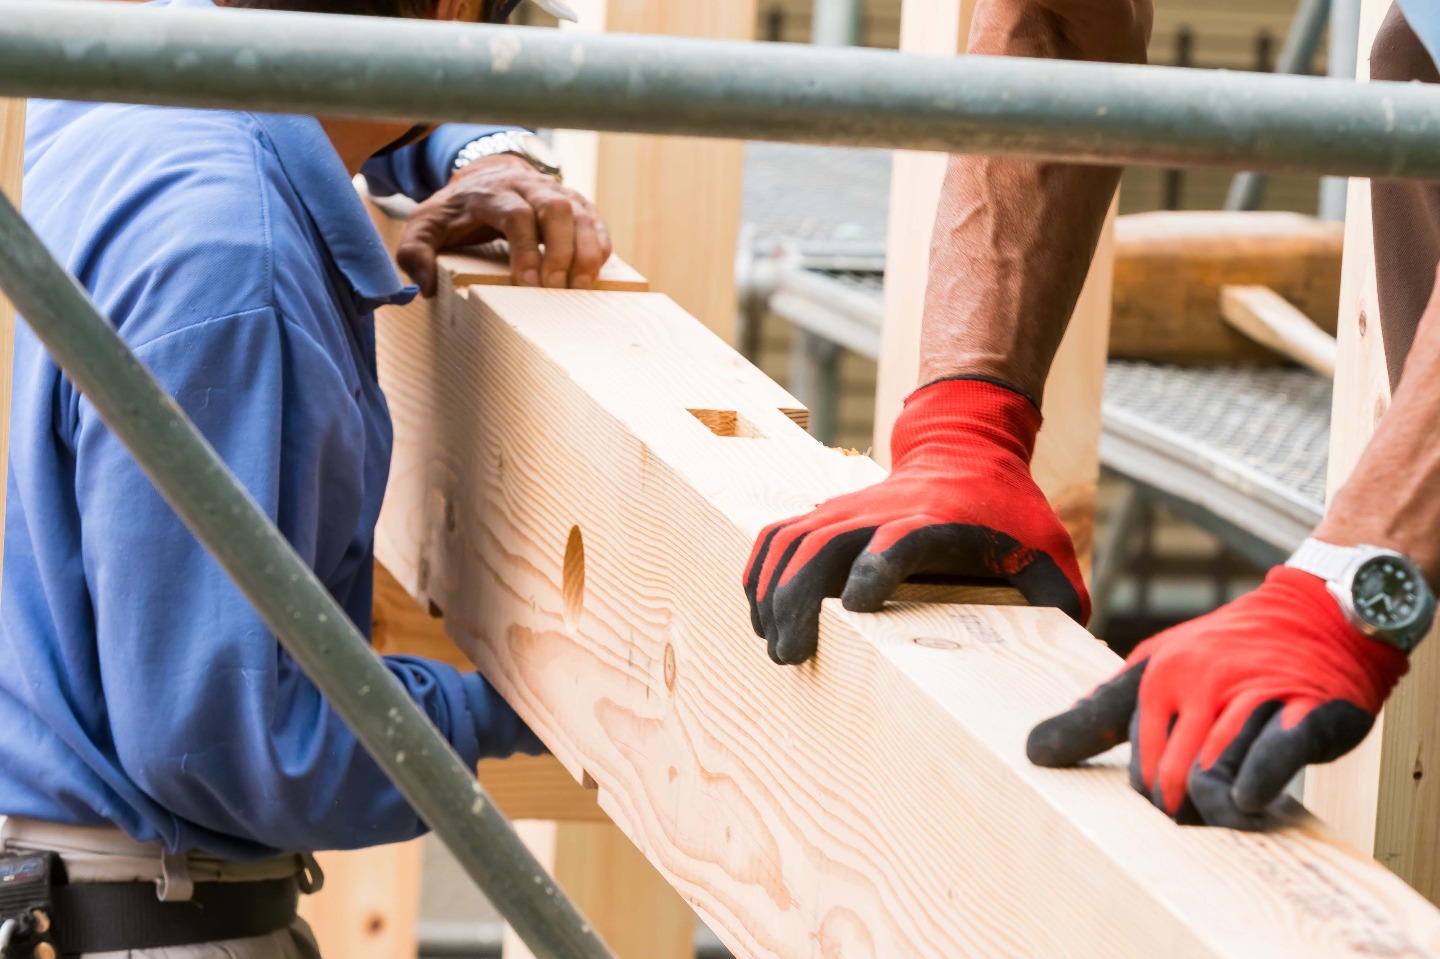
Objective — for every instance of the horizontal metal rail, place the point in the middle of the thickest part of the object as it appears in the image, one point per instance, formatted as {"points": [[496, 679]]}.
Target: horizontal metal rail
{"points": [[309, 623], [414, 70]]}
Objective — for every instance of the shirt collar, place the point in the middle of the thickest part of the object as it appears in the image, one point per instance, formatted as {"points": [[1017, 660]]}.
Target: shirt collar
{"points": [[328, 194]]}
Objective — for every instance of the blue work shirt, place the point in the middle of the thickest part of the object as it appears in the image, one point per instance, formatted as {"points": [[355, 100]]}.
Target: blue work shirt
{"points": [[137, 685]]}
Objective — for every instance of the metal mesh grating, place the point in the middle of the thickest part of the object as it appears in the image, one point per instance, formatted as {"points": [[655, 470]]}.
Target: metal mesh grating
{"points": [[1275, 421], [864, 282], [817, 193]]}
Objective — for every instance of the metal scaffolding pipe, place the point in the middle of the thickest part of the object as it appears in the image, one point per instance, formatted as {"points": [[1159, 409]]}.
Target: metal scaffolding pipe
{"points": [[1247, 190], [836, 23], [294, 603], [417, 70]]}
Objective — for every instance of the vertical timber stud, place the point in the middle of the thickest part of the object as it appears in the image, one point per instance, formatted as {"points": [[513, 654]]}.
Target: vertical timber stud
{"points": [[613, 884], [370, 906], [1067, 458], [12, 172], [1385, 796], [672, 203]]}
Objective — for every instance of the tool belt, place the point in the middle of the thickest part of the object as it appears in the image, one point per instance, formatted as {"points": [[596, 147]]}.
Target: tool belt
{"points": [[51, 917], [67, 891]]}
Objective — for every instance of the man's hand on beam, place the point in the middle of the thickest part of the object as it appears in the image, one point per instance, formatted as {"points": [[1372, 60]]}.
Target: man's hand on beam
{"points": [[1223, 711], [505, 197], [960, 502]]}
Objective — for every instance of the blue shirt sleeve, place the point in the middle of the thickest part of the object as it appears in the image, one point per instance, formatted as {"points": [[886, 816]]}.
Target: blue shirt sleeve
{"points": [[421, 169], [209, 715], [1424, 18]]}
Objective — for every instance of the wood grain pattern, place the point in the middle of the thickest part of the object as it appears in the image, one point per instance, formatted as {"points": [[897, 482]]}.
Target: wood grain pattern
{"points": [[1273, 321], [585, 534], [524, 787], [1170, 266], [1383, 796], [1067, 454], [672, 203], [12, 173]]}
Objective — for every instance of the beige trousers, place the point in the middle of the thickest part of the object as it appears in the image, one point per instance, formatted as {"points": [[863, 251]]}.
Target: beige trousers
{"points": [[105, 854]]}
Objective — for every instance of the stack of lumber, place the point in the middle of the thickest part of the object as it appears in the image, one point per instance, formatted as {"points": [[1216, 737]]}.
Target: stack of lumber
{"points": [[1170, 269]]}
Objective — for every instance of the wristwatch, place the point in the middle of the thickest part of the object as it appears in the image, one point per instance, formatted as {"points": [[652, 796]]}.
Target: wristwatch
{"points": [[1382, 593], [520, 143]]}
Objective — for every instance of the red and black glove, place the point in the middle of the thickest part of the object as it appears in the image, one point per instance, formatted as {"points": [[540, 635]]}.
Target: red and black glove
{"points": [[1223, 711], [959, 502]]}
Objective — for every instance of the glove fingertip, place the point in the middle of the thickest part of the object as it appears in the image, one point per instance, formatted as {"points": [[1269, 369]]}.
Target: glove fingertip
{"points": [[1043, 583], [793, 650], [1069, 738], [871, 582]]}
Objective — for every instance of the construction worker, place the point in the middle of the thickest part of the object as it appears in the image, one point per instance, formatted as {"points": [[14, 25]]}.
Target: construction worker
{"points": [[1222, 711], [156, 735]]}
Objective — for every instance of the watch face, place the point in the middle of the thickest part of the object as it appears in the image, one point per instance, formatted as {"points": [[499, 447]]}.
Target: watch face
{"points": [[1388, 593]]}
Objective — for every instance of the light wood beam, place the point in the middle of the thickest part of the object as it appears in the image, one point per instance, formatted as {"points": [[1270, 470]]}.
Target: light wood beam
{"points": [[1067, 455], [1384, 796], [557, 492], [1273, 321], [672, 203], [524, 787]]}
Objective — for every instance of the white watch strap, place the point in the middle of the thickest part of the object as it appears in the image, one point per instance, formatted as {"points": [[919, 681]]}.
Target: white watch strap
{"points": [[1325, 560]]}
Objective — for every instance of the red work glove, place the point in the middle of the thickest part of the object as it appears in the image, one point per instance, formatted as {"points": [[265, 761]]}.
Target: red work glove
{"points": [[1224, 710], [959, 502]]}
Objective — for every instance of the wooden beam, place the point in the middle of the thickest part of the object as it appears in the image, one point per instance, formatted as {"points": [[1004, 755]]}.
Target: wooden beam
{"points": [[1273, 321], [1170, 267], [1067, 455], [563, 823], [524, 787], [1384, 797], [672, 203], [12, 174], [554, 491]]}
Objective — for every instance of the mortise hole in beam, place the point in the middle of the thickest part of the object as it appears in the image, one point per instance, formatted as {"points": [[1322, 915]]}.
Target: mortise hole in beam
{"points": [[727, 423], [572, 578]]}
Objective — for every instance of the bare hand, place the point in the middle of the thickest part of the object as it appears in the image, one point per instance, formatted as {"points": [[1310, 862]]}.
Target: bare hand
{"points": [[504, 196]]}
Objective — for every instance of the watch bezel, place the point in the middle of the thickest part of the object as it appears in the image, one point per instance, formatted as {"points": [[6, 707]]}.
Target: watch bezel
{"points": [[1405, 636]]}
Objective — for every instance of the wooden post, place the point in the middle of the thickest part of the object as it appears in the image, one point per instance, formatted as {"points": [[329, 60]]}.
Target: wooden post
{"points": [[370, 906], [12, 173], [1385, 796], [614, 886], [672, 203], [1067, 456]]}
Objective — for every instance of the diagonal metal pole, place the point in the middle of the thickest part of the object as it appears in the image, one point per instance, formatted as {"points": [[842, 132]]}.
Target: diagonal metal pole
{"points": [[309, 623]]}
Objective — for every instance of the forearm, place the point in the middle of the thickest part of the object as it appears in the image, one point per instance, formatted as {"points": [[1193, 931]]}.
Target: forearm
{"points": [[1392, 499], [1013, 238]]}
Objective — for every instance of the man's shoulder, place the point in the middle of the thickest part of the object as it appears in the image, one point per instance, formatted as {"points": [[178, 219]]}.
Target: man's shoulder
{"points": [[168, 217]]}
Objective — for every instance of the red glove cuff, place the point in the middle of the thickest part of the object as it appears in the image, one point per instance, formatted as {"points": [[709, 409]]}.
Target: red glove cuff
{"points": [[984, 411], [1298, 596]]}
